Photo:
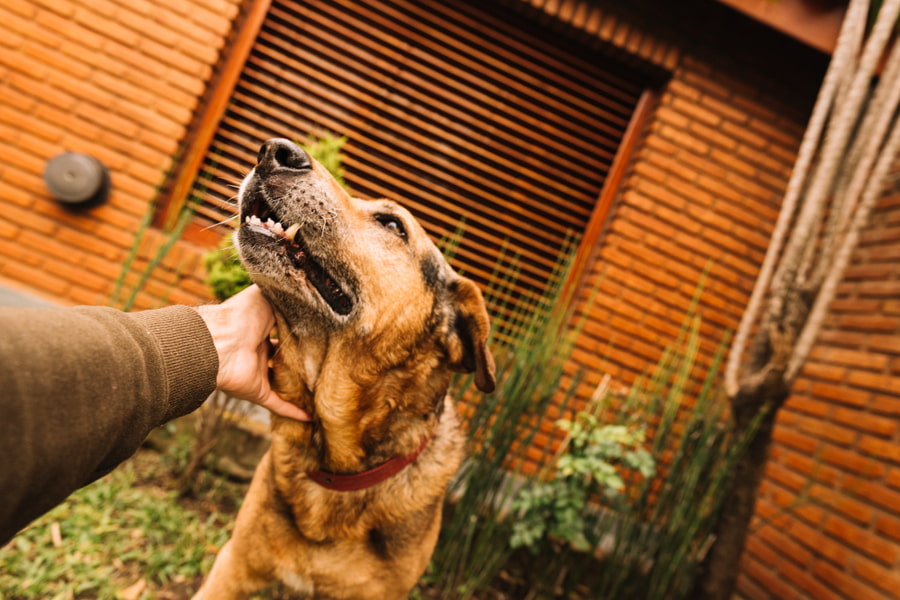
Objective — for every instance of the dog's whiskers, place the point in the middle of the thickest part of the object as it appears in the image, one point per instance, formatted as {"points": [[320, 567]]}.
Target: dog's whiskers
{"points": [[226, 221]]}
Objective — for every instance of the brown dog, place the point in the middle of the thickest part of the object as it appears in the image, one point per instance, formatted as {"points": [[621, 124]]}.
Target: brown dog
{"points": [[371, 322]]}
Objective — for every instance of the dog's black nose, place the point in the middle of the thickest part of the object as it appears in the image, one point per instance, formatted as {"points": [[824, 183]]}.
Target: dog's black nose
{"points": [[281, 154]]}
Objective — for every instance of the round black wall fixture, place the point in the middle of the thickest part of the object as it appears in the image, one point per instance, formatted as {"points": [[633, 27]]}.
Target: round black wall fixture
{"points": [[77, 180]]}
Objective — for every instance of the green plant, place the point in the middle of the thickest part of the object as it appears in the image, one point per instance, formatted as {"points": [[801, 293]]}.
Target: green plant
{"points": [[327, 148], [108, 536], [636, 489], [531, 349], [224, 273], [558, 510]]}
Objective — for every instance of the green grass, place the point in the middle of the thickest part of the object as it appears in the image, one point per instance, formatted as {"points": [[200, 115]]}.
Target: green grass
{"points": [[112, 534]]}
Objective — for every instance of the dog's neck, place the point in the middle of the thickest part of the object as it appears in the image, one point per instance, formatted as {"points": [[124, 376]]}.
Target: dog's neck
{"points": [[350, 432]]}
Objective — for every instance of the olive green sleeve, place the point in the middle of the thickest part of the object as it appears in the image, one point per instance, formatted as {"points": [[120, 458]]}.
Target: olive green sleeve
{"points": [[80, 389]]}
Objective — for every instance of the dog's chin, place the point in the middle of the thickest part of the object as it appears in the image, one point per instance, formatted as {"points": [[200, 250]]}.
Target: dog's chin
{"points": [[289, 285]]}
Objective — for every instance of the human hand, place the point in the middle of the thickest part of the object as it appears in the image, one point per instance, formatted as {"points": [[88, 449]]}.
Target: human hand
{"points": [[240, 328]]}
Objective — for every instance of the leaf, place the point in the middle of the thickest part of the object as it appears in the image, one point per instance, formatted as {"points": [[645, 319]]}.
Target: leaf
{"points": [[135, 590]]}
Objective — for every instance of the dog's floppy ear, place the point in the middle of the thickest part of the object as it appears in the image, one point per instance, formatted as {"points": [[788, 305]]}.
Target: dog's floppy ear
{"points": [[467, 337]]}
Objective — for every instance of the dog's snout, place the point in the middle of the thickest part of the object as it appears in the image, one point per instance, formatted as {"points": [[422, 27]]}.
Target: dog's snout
{"points": [[282, 154]]}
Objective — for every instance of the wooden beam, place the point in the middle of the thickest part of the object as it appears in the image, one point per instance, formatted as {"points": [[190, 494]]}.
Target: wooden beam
{"points": [[590, 241], [190, 163], [813, 22]]}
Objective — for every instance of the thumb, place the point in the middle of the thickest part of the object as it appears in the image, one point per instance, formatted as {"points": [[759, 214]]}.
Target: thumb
{"points": [[273, 402]]}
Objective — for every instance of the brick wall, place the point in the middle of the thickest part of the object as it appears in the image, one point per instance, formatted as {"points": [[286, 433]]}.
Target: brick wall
{"points": [[119, 80], [828, 516], [703, 188], [702, 195]]}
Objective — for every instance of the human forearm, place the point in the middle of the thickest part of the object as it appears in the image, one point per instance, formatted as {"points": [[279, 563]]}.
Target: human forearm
{"points": [[81, 388]]}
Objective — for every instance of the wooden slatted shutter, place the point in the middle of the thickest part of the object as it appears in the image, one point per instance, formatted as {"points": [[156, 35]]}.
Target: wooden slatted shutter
{"points": [[455, 109]]}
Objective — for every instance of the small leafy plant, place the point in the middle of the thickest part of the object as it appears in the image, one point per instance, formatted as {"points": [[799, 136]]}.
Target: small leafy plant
{"points": [[559, 510], [225, 274]]}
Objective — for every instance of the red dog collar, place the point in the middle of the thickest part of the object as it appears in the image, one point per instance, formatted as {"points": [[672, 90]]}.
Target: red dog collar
{"points": [[361, 481]]}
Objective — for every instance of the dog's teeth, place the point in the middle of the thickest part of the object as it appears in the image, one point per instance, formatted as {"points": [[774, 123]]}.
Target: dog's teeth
{"points": [[270, 223], [291, 232], [278, 229]]}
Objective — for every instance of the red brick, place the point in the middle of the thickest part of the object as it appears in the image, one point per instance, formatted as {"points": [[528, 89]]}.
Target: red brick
{"points": [[216, 20], [808, 585], [35, 277], [50, 247], [863, 540], [135, 59], [817, 370], [887, 580], [817, 542], [881, 448], [66, 27], [206, 52], [874, 381], [669, 115], [794, 439], [23, 8], [96, 20], [890, 289], [26, 29], [887, 404], [808, 406], [889, 526], [681, 87], [842, 394], [694, 111], [845, 583], [827, 430], [886, 343], [886, 253], [811, 467], [873, 491], [864, 421], [106, 119], [786, 477], [684, 140], [13, 157], [21, 61], [765, 161], [855, 305], [12, 42], [148, 26], [73, 125], [731, 161], [870, 322], [79, 277], [880, 235], [769, 580], [12, 251], [770, 134], [720, 189], [90, 243], [37, 146], [860, 512], [850, 357], [869, 271], [852, 461]]}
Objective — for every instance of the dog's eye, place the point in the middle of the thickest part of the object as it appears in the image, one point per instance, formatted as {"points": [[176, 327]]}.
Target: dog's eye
{"points": [[392, 224]]}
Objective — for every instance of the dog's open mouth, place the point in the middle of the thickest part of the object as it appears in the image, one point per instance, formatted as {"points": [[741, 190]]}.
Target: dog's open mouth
{"points": [[261, 221]]}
